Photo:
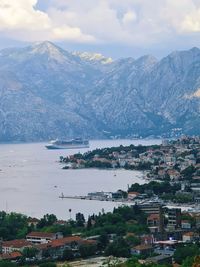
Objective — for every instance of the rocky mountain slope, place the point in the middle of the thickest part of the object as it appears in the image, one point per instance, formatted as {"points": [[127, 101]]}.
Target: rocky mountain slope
{"points": [[47, 92]]}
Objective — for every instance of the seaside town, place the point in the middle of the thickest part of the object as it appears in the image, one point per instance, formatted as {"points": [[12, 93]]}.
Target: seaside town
{"points": [[171, 170], [160, 225], [99, 133]]}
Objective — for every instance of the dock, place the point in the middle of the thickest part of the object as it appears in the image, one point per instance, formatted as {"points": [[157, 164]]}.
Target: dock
{"points": [[96, 198], [73, 197]]}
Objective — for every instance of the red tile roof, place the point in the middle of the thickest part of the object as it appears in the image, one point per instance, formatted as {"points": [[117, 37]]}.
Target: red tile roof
{"points": [[41, 234], [17, 243], [65, 240], [61, 242], [11, 256]]}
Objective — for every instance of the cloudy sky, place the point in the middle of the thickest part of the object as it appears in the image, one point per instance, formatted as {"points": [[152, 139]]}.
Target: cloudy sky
{"points": [[115, 28]]}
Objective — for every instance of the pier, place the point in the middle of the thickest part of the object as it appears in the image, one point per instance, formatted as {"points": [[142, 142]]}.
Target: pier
{"points": [[96, 198]]}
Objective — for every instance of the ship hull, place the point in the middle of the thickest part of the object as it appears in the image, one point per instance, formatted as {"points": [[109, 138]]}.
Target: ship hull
{"points": [[53, 147]]}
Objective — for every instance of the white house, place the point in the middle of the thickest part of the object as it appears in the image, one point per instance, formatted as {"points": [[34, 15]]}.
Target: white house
{"points": [[42, 238]]}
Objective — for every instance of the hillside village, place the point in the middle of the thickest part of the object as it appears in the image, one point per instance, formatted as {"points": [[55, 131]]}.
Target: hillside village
{"points": [[168, 160], [174, 162], [150, 233]]}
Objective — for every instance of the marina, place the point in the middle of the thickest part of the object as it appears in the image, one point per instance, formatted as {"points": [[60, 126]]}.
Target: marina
{"points": [[97, 196]]}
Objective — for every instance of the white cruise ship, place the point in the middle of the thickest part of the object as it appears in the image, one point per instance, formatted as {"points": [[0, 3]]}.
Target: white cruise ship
{"points": [[68, 144]]}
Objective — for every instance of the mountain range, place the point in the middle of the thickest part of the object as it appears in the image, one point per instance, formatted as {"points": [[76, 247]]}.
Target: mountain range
{"points": [[47, 92]]}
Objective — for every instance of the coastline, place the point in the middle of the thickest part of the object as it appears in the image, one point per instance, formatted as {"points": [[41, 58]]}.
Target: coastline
{"points": [[27, 184]]}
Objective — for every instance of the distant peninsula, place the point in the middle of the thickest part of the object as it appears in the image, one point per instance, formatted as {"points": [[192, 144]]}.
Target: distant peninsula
{"points": [[174, 160], [172, 168]]}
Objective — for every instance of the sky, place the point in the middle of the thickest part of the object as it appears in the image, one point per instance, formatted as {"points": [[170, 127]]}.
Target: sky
{"points": [[116, 28]]}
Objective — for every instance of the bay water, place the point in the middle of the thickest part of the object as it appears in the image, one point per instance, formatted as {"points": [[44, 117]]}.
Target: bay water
{"points": [[32, 179]]}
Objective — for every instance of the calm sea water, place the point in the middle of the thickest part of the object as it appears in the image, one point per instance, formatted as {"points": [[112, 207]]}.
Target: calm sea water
{"points": [[31, 180]]}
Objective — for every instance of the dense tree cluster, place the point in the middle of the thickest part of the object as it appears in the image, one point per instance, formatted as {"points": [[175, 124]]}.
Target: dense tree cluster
{"points": [[13, 225], [154, 187], [122, 220], [186, 253]]}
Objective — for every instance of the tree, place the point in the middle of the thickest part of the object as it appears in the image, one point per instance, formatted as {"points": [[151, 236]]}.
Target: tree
{"points": [[29, 252], [7, 264], [187, 262], [13, 225], [196, 261], [188, 172], [132, 262], [47, 264], [47, 220], [89, 223], [68, 254], [132, 240], [87, 250], [103, 241], [80, 219], [46, 253], [119, 248], [183, 252]]}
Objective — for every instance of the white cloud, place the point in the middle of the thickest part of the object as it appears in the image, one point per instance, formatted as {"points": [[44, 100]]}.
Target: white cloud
{"points": [[71, 33], [21, 20], [191, 22], [20, 14], [129, 17], [138, 22]]}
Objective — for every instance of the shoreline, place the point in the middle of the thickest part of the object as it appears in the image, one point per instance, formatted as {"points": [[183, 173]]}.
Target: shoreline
{"points": [[28, 187], [92, 139]]}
